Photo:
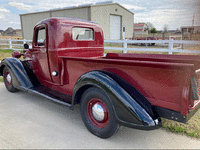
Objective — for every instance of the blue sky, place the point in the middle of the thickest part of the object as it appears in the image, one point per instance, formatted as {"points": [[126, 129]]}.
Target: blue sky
{"points": [[173, 13]]}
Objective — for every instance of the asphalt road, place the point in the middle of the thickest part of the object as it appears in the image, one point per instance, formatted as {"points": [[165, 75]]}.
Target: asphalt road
{"points": [[29, 121]]}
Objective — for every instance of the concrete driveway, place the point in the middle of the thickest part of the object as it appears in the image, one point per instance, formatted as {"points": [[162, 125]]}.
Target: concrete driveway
{"points": [[29, 121]]}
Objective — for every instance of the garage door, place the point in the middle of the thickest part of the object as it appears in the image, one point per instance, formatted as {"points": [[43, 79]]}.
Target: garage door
{"points": [[115, 27]]}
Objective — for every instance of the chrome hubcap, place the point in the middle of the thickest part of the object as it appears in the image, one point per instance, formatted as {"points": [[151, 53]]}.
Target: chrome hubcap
{"points": [[98, 112], [9, 78]]}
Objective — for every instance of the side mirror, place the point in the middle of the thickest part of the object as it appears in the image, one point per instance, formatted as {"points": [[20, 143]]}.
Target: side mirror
{"points": [[26, 46]]}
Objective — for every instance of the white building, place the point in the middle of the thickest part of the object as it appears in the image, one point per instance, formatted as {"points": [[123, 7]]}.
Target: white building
{"points": [[140, 29], [111, 16], [190, 32]]}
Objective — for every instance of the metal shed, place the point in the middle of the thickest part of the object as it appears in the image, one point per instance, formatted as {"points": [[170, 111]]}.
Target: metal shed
{"points": [[111, 16]]}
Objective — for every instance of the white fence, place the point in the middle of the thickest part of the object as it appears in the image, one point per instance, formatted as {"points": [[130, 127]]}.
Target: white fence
{"points": [[170, 42], [11, 44]]}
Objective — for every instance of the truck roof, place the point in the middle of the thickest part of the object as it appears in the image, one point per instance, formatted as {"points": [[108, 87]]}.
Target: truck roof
{"points": [[68, 21]]}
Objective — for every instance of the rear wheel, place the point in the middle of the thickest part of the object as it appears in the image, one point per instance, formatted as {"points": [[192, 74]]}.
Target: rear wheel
{"points": [[97, 113], [8, 80]]}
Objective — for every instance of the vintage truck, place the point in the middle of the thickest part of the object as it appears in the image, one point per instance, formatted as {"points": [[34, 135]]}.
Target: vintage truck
{"points": [[145, 38], [66, 64]]}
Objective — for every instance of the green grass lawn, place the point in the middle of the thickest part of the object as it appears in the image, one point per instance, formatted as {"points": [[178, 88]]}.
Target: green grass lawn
{"points": [[5, 53], [192, 128], [1, 79]]}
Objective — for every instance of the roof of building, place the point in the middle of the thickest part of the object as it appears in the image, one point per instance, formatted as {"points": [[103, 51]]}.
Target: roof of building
{"points": [[80, 6], [138, 29], [139, 24], [9, 30], [189, 26]]}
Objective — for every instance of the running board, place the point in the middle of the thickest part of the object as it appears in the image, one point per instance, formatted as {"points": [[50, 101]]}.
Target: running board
{"points": [[47, 95]]}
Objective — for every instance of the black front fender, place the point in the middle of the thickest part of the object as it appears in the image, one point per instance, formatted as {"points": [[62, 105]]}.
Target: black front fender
{"points": [[127, 111], [17, 68]]}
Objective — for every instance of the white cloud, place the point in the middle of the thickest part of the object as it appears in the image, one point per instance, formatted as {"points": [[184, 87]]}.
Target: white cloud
{"points": [[21, 6], [42, 5], [3, 13], [3, 10], [2, 16], [16, 23], [133, 7], [10, 20], [60, 4]]}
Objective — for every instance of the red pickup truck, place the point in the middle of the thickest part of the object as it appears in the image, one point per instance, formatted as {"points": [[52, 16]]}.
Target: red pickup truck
{"points": [[145, 38], [66, 64]]}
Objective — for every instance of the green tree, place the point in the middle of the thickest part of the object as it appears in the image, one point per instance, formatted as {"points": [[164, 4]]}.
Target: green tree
{"points": [[153, 30]]}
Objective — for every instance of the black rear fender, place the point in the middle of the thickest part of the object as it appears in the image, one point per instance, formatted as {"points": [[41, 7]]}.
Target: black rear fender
{"points": [[127, 110]]}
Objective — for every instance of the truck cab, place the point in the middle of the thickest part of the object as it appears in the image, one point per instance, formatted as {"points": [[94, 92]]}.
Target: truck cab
{"points": [[62, 37]]}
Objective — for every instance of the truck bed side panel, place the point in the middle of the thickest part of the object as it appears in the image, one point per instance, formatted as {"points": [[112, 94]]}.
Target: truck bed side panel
{"points": [[165, 85]]}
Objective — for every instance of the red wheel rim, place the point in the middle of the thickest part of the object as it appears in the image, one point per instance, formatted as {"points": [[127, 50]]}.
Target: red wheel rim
{"points": [[98, 121], [7, 75]]}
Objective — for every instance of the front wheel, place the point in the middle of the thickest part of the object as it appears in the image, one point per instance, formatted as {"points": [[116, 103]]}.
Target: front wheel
{"points": [[97, 113], [8, 80]]}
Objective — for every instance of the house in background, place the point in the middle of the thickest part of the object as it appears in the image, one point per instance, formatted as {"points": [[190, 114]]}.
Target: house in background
{"points": [[1, 32], [11, 32], [190, 32], [140, 29], [18, 32]]}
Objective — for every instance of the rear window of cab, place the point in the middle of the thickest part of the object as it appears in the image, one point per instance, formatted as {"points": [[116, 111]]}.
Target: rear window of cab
{"points": [[82, 34]]}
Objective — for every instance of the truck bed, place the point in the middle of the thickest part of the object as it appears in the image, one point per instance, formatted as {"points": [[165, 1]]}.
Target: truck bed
{"points": [[165, 80]]}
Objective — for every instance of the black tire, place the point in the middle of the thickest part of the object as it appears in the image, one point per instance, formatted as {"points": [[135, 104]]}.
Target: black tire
{"points": [[102, 128], [8, 77]]}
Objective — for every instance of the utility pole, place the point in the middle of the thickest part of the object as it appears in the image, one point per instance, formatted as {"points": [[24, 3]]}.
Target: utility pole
{"points": [[193, 20]]}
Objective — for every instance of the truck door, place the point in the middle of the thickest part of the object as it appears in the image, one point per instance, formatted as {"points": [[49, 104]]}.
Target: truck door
{"points": [[40, 55]]}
